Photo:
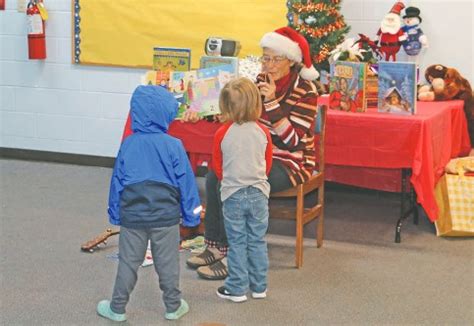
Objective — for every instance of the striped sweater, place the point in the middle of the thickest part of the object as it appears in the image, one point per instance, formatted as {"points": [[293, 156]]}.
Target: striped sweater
{"points": [[290, 120]]}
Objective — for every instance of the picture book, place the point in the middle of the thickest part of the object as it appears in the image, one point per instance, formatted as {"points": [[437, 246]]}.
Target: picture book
{"points": [[208, 86], [397, 87], [199, 90], [347, 86], [171, 59], [159, 78], [371, 85], [181, 86], [213, 61]]}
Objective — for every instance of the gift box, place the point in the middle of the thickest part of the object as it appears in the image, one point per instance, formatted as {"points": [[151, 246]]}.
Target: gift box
{"points": [[455, 198]]}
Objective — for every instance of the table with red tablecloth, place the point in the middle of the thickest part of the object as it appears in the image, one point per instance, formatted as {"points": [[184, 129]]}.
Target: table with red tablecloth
{"points": [[369, 149]]}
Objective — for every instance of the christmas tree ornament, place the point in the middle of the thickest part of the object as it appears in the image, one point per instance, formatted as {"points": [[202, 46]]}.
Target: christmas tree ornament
{"points": [[310, 20]]}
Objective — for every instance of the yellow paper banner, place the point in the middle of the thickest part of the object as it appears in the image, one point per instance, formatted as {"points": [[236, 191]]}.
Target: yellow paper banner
{"points": [[124, 32]]}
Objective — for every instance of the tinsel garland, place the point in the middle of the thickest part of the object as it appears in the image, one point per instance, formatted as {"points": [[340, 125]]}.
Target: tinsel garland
{"points": [[322, 55], [315, 7], [323, 30]]}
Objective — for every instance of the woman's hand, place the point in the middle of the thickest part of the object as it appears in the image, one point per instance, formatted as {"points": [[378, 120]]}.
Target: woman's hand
{"points": [[190, 116], [267, 88]]}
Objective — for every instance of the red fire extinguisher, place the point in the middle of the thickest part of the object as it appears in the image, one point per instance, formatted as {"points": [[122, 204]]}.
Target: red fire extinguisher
{"points": [[37, 15]]}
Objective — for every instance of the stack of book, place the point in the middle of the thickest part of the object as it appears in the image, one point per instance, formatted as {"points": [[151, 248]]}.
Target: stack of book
{"points": [[388, 86], [196, 90], [371, 85]]}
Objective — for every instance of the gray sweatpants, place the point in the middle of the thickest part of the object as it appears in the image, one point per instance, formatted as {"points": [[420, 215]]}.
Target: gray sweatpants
{"points": [[165, 251]]}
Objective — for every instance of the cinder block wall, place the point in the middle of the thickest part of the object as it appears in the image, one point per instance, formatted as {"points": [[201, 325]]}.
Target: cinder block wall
{"points": [[54, 105]]}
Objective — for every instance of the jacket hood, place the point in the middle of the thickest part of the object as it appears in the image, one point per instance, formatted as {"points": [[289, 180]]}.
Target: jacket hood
{"points": [[152, 109]]}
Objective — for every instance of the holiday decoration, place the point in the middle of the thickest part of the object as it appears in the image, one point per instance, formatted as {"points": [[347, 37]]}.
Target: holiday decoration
{"points": [[371, 52], [347, 51], [390, 34], [321, 23], [250, 67], [288, 42], [362, 50], [415, 37]]}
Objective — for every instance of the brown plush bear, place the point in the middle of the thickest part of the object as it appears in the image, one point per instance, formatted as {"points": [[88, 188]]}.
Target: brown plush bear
{"points": [[448, 84]]}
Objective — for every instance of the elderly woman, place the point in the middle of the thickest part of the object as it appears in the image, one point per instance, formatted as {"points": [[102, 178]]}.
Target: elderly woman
{"points": [[289, 109]]}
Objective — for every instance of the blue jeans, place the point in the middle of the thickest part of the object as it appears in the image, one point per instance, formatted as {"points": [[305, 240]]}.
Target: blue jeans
{"points": [[246, 223], [214, 221]]}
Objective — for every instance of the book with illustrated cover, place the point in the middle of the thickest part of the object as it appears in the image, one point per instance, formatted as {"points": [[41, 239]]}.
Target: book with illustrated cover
{"points": [[199, 90], [397, 87], [171, 59], [208, 61], [158, 78], [207, 88], [347, 86], [181, 86]]}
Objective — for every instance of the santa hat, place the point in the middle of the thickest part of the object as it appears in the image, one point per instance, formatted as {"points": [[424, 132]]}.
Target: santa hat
{"points": [[294, 46], [397, 8]]}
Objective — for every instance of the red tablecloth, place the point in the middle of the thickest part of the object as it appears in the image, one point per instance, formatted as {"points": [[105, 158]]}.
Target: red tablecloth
{"points": [[369, 149], [197, 138]]}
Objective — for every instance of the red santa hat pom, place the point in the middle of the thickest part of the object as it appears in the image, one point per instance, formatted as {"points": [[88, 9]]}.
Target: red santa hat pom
{"points": [[397, 8], [293, 45]]}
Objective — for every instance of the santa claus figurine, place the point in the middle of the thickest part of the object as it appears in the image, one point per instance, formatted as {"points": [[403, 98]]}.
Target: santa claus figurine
{"points": [[416, 40], [390, 35]]}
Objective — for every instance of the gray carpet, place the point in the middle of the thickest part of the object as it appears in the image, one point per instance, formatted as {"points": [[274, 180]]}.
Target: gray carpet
{"points": [[359, 277]]}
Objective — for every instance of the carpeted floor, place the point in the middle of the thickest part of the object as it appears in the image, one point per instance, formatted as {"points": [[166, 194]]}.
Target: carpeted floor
{"points": [[359, 277]]}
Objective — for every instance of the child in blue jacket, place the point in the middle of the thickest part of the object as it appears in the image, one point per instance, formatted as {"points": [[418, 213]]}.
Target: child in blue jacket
{"points": [[152, 187]]}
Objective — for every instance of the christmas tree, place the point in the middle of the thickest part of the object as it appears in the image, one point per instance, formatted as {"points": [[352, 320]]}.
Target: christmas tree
{"points": [[321, 23]]}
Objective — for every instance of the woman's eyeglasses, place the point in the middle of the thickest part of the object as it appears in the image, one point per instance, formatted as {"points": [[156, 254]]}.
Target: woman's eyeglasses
{"points": [[276, 60]]}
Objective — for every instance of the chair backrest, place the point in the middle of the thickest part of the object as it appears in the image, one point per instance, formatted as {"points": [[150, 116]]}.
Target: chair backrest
{"points": [[320, 133]]}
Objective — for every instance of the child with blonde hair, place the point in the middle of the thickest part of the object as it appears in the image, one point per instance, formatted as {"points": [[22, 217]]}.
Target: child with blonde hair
{"points": [[242, 159]]}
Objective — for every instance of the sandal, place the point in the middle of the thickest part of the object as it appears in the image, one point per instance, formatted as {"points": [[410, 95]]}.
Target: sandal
{"points": [[207, 257], [216, 271]]}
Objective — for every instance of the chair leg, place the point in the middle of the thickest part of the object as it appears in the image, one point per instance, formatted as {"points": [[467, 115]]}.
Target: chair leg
{"points": [[319, 231], [320, 227], [299, 227]]}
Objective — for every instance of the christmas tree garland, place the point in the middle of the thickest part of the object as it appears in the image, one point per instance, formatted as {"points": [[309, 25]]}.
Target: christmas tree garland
{"points": [[321, 23], [322, 30], [314, 7]]}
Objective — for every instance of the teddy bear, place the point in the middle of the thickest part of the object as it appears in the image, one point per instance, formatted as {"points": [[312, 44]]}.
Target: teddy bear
{"points": [[447, 84]]}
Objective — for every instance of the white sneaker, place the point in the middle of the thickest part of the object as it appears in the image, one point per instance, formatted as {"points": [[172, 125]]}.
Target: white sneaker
{"points": [[148, 261], [259, 295], [224, 294]]}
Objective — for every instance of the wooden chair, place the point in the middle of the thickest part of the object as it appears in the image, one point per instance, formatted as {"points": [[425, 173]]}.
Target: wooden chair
{"points": [[300, 213]]}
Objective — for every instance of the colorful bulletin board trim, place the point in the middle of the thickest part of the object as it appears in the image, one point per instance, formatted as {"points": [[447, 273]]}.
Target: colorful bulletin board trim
{"points": [[124, 32]]}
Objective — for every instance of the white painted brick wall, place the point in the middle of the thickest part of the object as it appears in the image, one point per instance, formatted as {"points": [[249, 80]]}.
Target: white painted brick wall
{"points": [[53, 105]]}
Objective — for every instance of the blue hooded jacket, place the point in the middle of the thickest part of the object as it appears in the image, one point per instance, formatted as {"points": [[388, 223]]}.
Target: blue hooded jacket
{"points": [[152, 183]]}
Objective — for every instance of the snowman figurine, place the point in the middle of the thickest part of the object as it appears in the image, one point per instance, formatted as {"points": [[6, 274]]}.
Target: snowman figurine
{"points": [[416, 40]]}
